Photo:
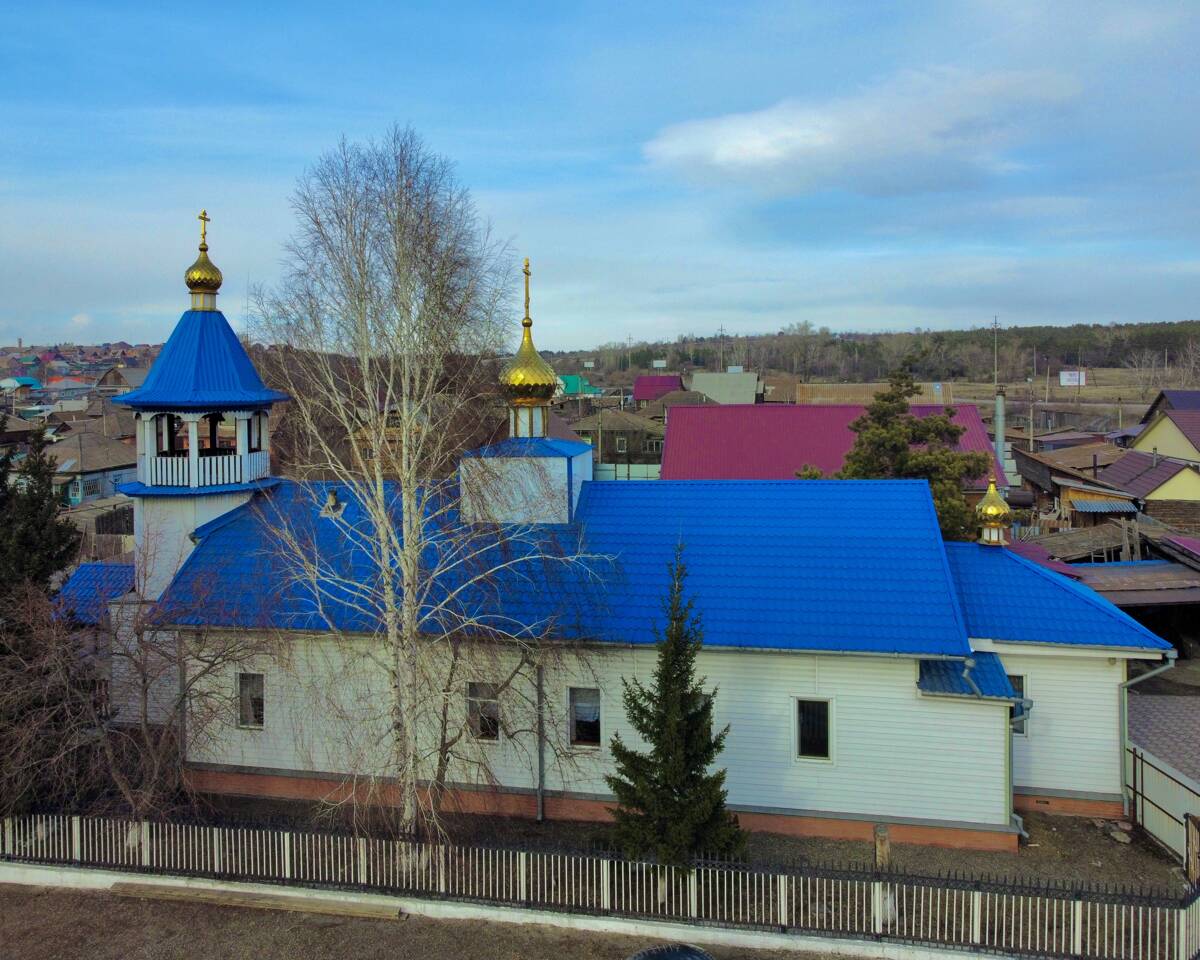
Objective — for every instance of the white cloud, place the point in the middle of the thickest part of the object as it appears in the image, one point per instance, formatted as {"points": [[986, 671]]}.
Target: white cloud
{"points": [[919, 131], [81, 320]]}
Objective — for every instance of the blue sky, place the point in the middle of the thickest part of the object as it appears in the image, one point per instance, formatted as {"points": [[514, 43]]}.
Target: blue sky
{"points": [[668, 167]]}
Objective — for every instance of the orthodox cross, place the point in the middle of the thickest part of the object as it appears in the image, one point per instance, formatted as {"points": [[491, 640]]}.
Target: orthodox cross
{"points": [[205, 220]]}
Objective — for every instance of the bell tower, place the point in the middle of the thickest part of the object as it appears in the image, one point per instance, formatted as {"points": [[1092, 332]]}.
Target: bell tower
{"points": [[203, 430]]}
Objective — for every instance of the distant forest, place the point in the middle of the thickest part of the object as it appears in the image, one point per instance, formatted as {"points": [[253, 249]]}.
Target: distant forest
{"points": [[1156, 351]]}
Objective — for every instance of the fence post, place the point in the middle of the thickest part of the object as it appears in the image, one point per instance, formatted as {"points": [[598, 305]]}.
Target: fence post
{"points": [[1077, 928], [146, 843], [1181, 950], [976, 916], [877, 907], [76, 840], [362, 861], [605, 884], [782, 883], [523, 876], [693, 898], [442, 868], [216, 848], [287, 855], [9, 849]]}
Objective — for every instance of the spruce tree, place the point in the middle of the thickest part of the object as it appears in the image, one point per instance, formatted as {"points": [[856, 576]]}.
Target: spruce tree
{"points": [[670, 806], [892, 443], [35, 541]]}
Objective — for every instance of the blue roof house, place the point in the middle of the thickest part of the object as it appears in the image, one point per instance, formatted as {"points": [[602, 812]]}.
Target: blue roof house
{"points": [[869, 673]]}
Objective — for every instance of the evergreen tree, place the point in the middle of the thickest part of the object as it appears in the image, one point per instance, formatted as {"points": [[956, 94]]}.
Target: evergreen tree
{"points": [[892, 443], [669, 805], [35, 542]]}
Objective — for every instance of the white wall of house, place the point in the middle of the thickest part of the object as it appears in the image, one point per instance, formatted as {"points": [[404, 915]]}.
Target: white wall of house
{"points": [[162, 529], [896, 754], [1072, 743]]}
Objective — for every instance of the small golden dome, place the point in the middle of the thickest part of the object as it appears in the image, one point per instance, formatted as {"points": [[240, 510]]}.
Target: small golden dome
{"points": [[203, 276], [528, 380], [993, 508]]}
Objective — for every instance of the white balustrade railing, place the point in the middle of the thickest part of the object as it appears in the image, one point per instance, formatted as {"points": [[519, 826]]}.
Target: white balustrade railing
{"points": [[1012, 919], [175, 471]]}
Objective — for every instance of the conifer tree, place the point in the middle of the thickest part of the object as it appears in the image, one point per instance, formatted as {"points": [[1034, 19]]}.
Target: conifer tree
{"points": [[35, 542], [892, 443], [670, 806]]}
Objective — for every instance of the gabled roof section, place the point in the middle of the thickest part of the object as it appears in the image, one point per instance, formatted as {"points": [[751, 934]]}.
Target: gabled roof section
{"points": [[1006, 597], [649, 387], [785, 566], [1140, 474], [1188, 422], [1173, 400], [203, 366], [86, 594], [773, 441]]}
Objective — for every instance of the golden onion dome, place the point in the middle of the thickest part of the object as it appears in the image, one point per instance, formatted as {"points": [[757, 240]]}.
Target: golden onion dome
{"points": [[203, 276], [992, 507], [527, 379]]}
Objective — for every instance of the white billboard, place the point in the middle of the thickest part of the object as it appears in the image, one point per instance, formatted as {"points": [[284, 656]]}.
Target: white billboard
{"points": [[589, 364], [660, 364], [1072, 378]]}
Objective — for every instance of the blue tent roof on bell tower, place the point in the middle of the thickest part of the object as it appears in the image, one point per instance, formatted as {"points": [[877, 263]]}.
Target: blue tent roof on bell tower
{"points": [[203, 366]]}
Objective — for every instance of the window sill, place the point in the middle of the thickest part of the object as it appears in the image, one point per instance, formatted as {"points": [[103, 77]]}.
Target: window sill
{"points": [[827, 761], [251, 726]]}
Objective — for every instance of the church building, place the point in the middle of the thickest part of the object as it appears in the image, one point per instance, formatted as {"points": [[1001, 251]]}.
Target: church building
{"points": [[868, 671]]}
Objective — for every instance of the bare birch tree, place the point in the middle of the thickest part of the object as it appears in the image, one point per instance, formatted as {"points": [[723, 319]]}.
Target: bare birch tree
{"points": [[386, 333]]}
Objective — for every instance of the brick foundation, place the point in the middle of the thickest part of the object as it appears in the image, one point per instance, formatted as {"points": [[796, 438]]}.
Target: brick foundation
{"points": [[1068, 806], [233, 783]]}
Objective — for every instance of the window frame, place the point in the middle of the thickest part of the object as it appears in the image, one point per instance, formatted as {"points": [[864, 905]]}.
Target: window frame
{"points": [[620, 444], [830, 723], [242, 725], [1023, 693], [495, 698], [571, 742]]}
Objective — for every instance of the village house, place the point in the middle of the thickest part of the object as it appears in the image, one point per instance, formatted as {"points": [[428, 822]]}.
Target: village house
{"points": [[869, 672], [618, 436], [89, 465], [120, 379], [773, 441], [734, 386], [649, 387]]}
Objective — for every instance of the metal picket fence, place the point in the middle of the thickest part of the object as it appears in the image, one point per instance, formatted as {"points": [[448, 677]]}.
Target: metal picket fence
{"points": [[1003, 917]]}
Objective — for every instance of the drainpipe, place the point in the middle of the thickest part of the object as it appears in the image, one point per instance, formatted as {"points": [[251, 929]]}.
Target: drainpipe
{"points": [[998, 425], [541, 747], [1171, 656], [968, 666]]}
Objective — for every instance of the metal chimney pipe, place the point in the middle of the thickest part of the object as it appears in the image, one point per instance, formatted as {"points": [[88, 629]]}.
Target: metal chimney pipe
{"points": [[998, 425]]}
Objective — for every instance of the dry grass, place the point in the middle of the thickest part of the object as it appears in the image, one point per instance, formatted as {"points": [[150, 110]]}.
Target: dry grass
{"points": [[42, 924]]}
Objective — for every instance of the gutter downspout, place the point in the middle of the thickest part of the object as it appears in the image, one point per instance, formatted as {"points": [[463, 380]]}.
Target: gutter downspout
{"points": [[1171, 656], [541, 740], [968, 666]]}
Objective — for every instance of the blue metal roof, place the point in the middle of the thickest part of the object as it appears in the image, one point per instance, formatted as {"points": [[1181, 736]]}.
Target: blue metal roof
{"points": [[532, 447], [85, 595], [203, 366], [771, 565], [135, 488], [1005, 597], [945, 677]]}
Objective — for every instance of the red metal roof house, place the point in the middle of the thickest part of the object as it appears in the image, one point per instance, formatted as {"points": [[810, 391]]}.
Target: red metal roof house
{"points": [[649, 387], [772, 442]]}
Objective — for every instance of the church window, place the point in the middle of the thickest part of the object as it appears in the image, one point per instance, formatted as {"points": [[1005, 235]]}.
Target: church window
{"points": [[251, 700], [483, 711], [1016, 712], [584, 705], [812, 730]]}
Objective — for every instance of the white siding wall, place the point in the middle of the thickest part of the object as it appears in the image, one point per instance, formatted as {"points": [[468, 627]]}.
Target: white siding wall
{"points": [[1074, 740], [514, 489], [162, 528], [896, 754]]}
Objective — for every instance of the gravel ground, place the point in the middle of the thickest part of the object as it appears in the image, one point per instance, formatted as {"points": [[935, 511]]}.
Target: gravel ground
{"points": [[41, 924]]}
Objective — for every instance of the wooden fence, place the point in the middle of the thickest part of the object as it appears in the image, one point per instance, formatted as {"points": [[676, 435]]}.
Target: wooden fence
{"points": [[1031, 919]]}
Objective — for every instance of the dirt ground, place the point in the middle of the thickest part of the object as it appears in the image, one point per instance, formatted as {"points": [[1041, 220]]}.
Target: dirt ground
{"points": [[1063, 849], [41, 924]]}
